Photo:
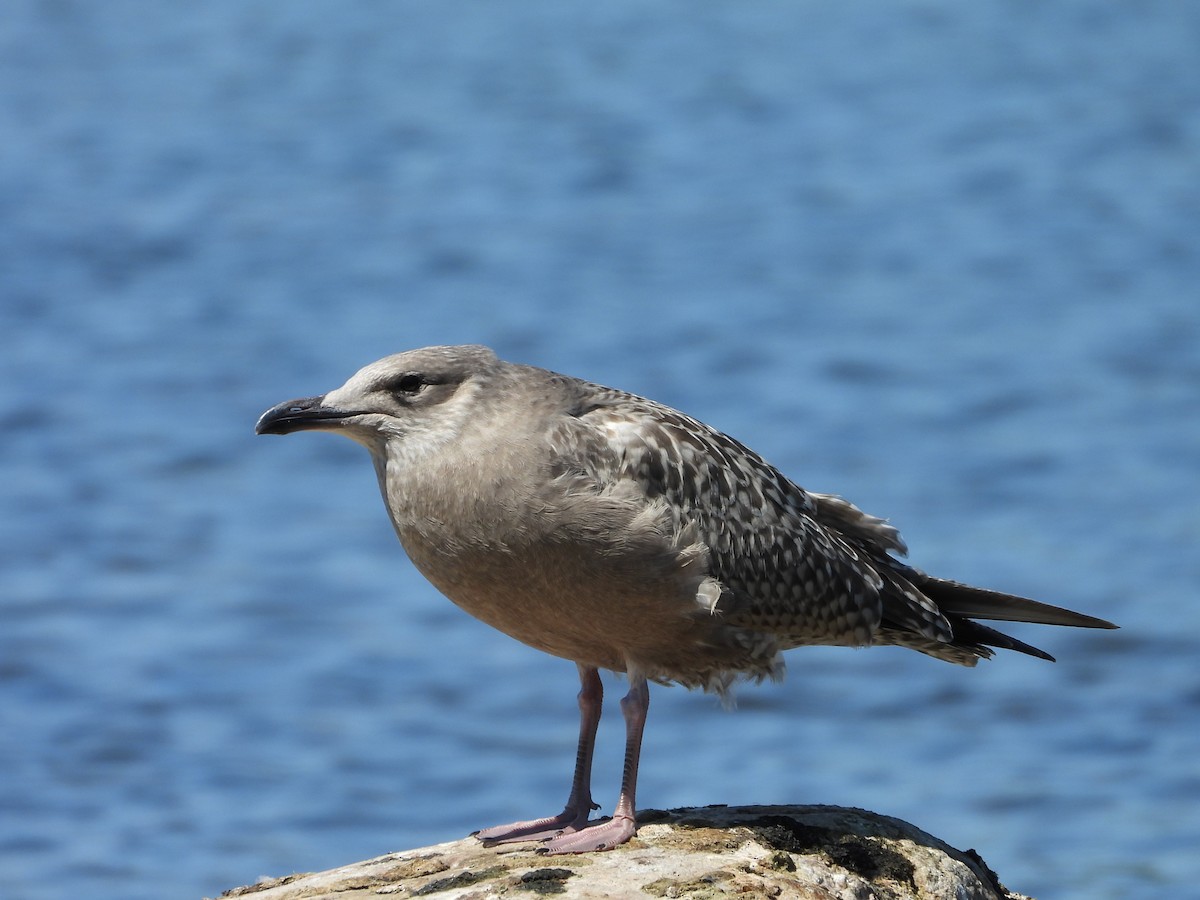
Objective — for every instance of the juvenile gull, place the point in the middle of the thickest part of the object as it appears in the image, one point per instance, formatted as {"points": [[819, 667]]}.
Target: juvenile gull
{"points": [[616, 532]]}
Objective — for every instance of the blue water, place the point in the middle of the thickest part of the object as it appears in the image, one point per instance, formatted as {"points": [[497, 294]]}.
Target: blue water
{"points": [[941, 258]]}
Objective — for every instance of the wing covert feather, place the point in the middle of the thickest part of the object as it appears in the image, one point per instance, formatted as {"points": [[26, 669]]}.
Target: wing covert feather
{"points": [[809, 568]]}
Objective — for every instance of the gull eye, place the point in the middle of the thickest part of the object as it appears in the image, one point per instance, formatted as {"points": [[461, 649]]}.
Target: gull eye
{"points": [[409, 383]]}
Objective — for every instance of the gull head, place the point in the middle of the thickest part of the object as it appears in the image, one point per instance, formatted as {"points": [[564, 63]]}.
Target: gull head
{"points": [[419, 392]]}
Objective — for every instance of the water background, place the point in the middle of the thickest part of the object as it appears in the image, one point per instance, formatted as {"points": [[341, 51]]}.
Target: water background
{"points": [[941, 258]]}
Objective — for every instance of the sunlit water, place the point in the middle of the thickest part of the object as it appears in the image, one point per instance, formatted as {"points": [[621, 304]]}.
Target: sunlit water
{"points": [[940, 258]]}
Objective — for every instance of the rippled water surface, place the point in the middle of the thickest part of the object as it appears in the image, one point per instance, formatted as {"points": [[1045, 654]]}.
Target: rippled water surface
{"points": [[940, 258]]}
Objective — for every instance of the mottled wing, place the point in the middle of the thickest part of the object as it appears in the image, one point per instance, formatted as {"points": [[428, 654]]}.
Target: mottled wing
{"points": [[806, 568]]}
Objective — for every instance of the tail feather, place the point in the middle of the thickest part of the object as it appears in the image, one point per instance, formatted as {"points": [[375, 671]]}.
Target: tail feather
{"points": [[969, 602]]}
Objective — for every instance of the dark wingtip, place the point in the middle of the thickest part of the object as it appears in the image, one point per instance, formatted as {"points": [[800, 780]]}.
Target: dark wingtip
{"points": [[979, 603], [976, 633]]}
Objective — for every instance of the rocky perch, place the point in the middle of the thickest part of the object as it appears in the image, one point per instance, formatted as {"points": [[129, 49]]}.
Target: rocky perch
{"points": [[749, 852]]}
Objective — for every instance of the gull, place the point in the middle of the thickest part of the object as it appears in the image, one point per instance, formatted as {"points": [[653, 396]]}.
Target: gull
{"points": [[618, 533]]}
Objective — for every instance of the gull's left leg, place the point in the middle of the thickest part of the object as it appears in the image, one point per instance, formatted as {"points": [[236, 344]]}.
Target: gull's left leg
{"points": [[622, 826]]}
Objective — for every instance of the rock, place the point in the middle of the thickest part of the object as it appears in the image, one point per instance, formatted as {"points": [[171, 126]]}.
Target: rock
{"points": [[748, 852]]}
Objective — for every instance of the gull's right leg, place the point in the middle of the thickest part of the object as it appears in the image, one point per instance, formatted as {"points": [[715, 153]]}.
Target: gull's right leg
{"points": [[579, 805]]}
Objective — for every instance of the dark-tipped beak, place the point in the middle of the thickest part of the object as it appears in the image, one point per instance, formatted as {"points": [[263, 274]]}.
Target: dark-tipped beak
{"points": [[299, 415]]}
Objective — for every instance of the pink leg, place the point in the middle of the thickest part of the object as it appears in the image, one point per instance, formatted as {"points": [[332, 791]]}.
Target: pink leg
{"points": [[622, 826], [579, 804]]}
